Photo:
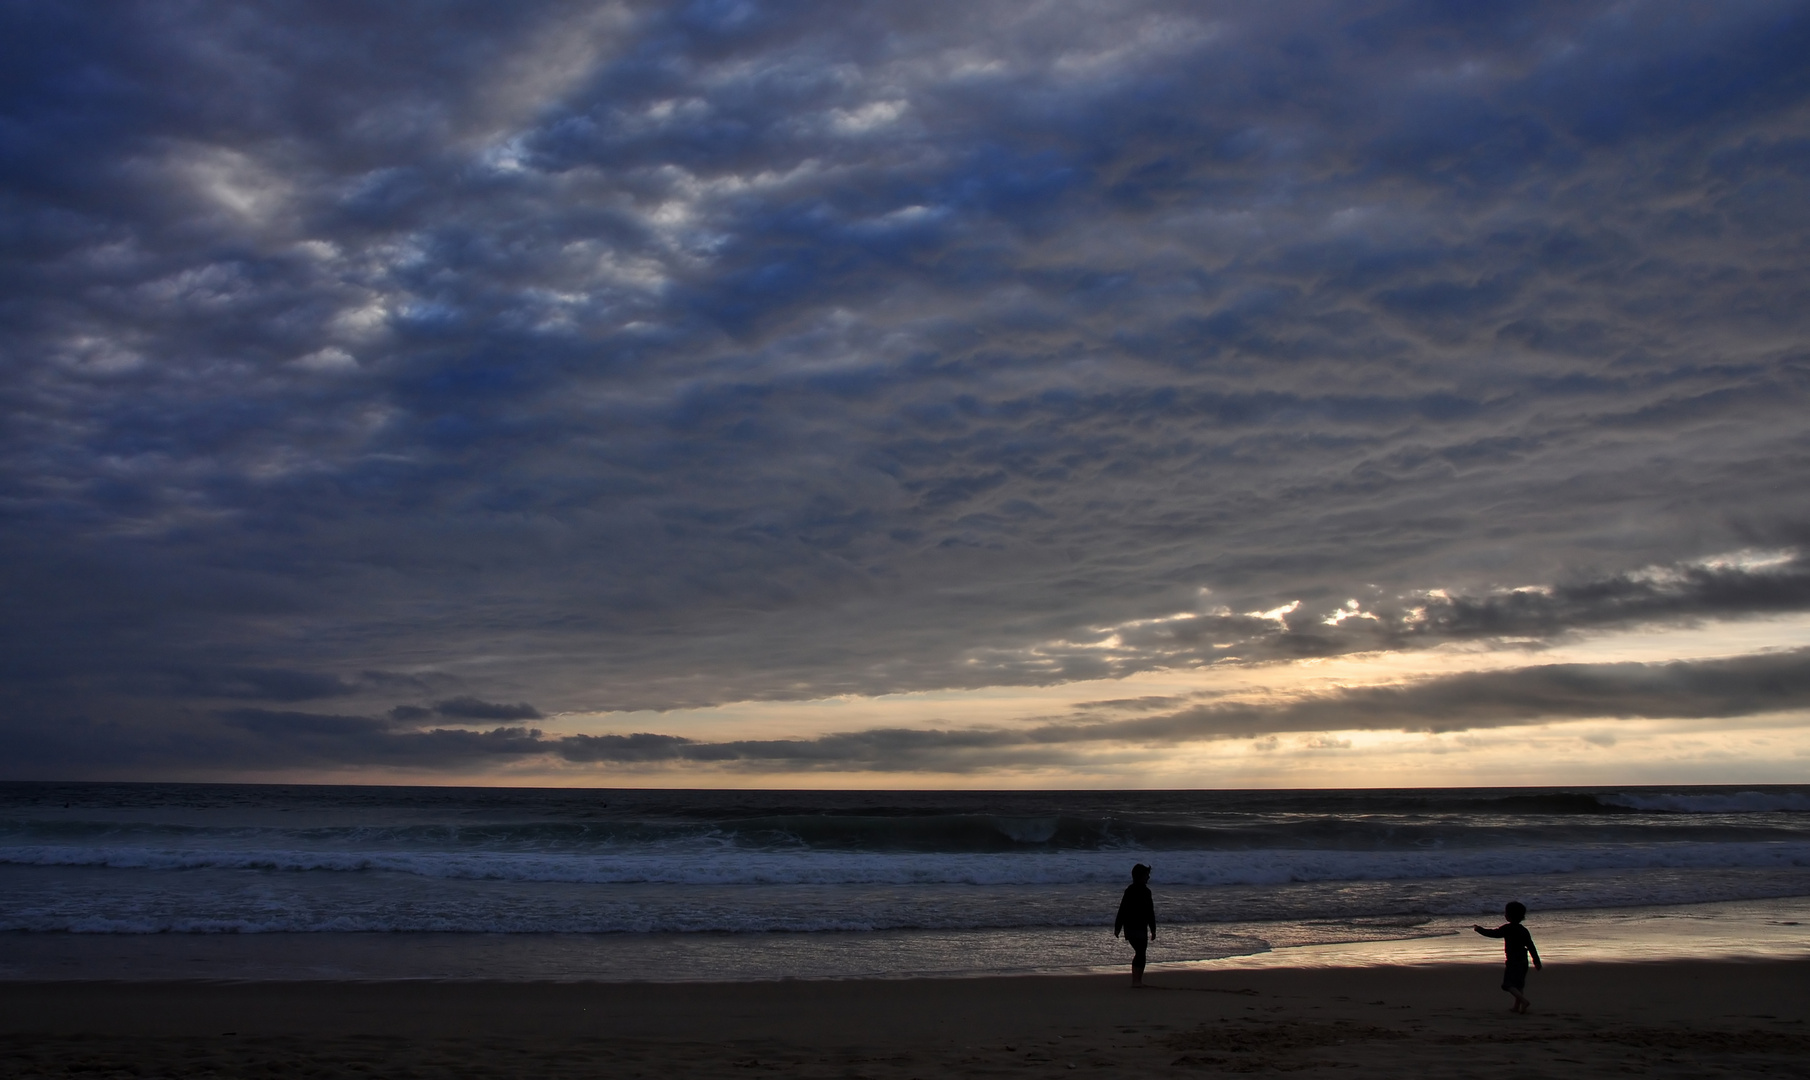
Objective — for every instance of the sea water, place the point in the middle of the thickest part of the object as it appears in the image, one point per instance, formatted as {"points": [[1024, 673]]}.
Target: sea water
{"points": [[255, 881]]}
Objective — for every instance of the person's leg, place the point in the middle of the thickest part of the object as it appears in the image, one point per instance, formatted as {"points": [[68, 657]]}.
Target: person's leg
{"points": [[1139, 943], [1514, 980]]}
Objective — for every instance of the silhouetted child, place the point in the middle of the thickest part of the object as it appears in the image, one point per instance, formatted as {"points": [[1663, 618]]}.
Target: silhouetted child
{"points": [[1137, 917], [1517, 946]]}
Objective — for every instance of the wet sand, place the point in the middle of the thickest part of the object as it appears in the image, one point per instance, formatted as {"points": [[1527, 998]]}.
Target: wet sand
{"points": [[1662, 1019]]}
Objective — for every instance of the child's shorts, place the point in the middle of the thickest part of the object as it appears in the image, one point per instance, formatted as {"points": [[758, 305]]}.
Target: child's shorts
{"points": [[1138, 942], [1514, 977]]}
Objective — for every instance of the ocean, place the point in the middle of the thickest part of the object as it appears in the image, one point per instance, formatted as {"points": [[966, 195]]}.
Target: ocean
{"points": [[271, 881]]}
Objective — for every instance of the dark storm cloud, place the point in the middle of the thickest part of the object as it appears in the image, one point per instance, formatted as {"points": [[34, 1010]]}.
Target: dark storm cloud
{"points": [[471, 708], [295, 738], [645, 356], [1719, 689]]}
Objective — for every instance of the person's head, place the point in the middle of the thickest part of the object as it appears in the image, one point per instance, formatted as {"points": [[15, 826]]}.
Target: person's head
{"points": [[1515, 911], [1140, 873]]}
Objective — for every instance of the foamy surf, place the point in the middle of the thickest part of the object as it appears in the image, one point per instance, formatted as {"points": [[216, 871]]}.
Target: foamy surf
{"points": [[776, 874]]}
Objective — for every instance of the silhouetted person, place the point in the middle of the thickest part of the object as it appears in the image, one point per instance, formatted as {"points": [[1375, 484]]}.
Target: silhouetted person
{"points": [[1517, 946], [1137, 918]]}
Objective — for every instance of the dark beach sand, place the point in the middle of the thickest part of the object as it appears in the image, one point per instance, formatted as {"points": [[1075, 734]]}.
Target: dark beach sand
{"points": [[1673, 1019]]}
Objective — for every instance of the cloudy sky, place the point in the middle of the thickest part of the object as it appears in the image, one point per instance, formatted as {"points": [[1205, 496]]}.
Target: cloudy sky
{"points": [[905, 394]]}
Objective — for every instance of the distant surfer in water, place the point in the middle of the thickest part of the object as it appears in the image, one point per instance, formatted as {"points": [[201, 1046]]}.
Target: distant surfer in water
{"points": [[1137, 918], [1517, 946]]}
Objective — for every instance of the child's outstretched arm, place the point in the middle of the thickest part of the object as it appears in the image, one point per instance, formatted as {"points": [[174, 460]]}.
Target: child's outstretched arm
{"points": [[1486, 931]]}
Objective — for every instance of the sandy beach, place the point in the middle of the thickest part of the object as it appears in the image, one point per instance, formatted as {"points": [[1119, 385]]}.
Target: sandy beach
{"points": [[1671, 1019]]}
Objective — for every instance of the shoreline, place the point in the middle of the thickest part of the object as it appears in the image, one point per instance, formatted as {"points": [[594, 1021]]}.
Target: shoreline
{"points": [[1776, 928], [1691, 1018]]}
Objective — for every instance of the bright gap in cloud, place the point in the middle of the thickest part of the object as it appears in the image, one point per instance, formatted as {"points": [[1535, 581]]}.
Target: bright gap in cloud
{"points": [[1021, 705]]}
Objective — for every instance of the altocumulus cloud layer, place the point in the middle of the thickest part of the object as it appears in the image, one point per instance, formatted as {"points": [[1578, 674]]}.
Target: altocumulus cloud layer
{"points": [[380, 379]]}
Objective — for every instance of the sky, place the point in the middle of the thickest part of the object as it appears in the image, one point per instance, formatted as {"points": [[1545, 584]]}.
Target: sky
{"points": [[844, 394]]}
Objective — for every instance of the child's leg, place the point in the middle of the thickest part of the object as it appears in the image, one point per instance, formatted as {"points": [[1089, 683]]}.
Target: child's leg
{"points": [[1514, 979], [1139, 945]]}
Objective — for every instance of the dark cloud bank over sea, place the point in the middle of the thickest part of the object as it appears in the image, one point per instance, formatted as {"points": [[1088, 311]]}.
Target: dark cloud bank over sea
{"points": [[379, 381]]}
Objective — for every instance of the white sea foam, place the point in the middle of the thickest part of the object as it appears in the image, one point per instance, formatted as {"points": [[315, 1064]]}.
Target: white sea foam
{"points": [[738, 867], [215, 902], [1744, 802]]}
